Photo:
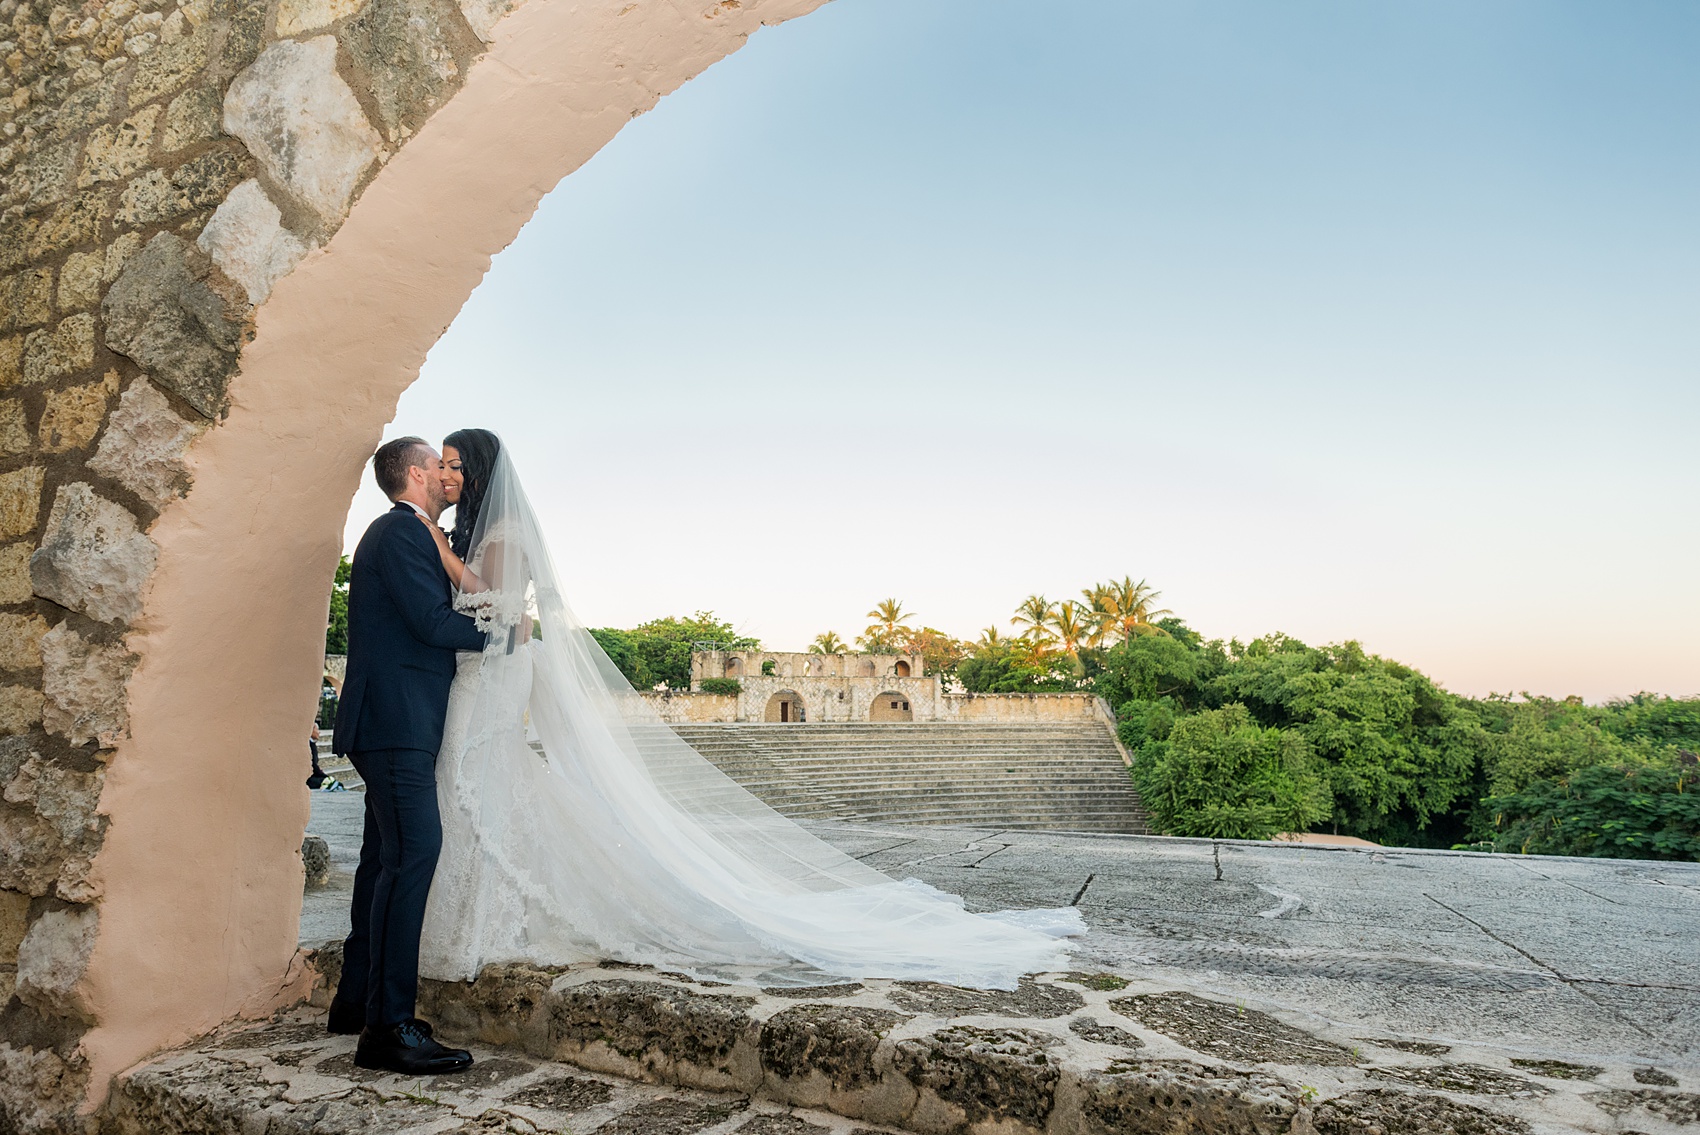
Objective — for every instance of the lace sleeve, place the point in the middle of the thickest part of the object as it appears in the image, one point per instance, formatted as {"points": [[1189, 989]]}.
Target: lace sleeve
{"points": [[499, 564]]}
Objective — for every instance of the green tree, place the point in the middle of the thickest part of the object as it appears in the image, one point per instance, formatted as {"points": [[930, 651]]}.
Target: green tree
{"points": [[940, 653], [828, 642], [1219, 774], [658, 653], [336, 629], [1035, 615], [1647, 811]]}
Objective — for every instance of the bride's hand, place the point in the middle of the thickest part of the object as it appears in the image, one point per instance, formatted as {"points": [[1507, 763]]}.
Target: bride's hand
{"points": [[451, 562]]}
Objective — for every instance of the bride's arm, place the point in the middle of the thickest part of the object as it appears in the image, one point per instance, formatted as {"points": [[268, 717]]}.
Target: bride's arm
{"points": [[459, 574]]}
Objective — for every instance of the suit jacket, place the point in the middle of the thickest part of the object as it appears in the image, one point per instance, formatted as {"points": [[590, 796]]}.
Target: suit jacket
{"points": [[403, 632]]}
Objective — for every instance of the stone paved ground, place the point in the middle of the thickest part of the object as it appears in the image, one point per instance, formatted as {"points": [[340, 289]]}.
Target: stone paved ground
{"points": [[1564, 958], [1232, 987]]}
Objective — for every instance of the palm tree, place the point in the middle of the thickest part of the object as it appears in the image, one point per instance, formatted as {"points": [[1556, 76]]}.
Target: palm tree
{"points": [[1100, 615], [1035, 613], [828, 642], [990, 639], [888, 615], [1073, 624], [1130, 606]]}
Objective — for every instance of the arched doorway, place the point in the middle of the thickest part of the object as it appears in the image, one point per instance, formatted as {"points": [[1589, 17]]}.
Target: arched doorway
{"points": [[891, 706], [734, 668], [901, 669], [785, 707], [201, 378]]}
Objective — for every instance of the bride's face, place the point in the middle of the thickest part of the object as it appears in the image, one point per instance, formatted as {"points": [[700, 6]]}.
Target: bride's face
{"points": [[453, 477]]}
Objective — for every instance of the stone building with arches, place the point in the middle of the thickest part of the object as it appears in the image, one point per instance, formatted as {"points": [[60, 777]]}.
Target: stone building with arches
{"points": [[780, 687]]}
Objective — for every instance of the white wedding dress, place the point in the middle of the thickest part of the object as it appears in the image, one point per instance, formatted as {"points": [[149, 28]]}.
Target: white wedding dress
{"points": [[578, 826]]}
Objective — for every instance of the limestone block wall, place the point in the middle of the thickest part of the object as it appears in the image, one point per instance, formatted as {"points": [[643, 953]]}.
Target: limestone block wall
{"points": [[229, 232], [1019, 708], [741, 664]]}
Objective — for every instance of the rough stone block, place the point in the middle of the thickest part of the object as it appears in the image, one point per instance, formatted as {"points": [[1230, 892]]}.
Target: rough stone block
{"points": [[1229, 1032], [169, 67], [118, 254], [77, 221], [65, 348], [161, 313], [84, 687], [20, 711], [651, 1023], [20, 501], [1177, 1095], [14, 430], [979, 1074], [49, 841], [118, 150], [15, 585], [198, 183], [315, 860], [41, 178], [404, 48], [20, 641], [11, 361], [1386, 1112], [837, 1041], [192, 118], [301, 121], [14, 920], [40, 1090], [26, 299], [246, 239], [52, 958], [297, 16], [93, 557], [80, 280], [72, 417], [144, 445]]}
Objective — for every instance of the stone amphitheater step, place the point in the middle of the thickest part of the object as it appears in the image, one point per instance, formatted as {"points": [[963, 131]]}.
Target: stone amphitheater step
{"points": [[1053, 776]]}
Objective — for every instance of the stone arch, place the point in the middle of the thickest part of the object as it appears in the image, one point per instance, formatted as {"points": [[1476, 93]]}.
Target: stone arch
{"points": [[734, 668], [890, 706], [226, 256], [901, 670], [786, 706]]}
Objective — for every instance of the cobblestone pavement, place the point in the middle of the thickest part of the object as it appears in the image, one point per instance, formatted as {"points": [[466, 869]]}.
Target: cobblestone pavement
{"points": [[1584, 961]]}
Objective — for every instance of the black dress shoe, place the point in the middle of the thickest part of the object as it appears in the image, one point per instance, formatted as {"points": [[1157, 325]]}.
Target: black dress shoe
{"points": [[345, 1019], [408, 1048]]}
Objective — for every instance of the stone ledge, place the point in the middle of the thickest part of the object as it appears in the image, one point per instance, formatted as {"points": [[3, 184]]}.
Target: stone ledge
{"points": [[1056, 1057]]}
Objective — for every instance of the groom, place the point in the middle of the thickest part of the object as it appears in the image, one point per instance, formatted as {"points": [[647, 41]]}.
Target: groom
{"points": [[402, 636]]}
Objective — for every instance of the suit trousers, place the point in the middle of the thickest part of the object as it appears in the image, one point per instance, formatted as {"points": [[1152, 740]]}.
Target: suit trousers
{"points": [[398, 855]]}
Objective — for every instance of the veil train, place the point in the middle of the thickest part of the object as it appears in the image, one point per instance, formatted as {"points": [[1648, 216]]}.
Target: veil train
{"points": [[613, 838]]}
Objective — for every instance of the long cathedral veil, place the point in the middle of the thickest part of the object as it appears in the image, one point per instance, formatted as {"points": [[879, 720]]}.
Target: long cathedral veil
{"points": [[599, 833]]}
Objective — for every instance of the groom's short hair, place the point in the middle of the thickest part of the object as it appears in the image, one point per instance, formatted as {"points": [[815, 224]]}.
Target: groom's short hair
{"points": [[392, 461]]}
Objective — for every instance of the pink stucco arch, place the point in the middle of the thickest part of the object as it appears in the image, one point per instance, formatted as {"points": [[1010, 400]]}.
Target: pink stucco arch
{"points": [[199, 876]]}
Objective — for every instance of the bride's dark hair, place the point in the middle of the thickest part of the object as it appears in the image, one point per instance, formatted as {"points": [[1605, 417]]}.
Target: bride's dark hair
{"points": [[477, 449]]}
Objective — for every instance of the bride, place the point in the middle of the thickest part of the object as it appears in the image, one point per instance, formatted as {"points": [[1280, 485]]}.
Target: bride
{"points": [[578, 826]]}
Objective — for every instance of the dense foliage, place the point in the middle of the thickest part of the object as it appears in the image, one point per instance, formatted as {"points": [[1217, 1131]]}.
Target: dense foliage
{"points": [[336, 629], [726, 686], [1649, 811], [658, 653]]}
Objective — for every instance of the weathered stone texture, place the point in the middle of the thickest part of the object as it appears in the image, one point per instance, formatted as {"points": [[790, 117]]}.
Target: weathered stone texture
{"points": [[161, 195], [64, 349], [1177, 1095], [999, 1072], [144, 445], [15, 585], [93, 557], [647, 1019], [116, 151], [72, 417], [192, 118], [20, 641], [20, 710], [11, 361], [406, 50], [838, 1041], [14, 920], [49, 835], [161, 313], [247, 240], [52, 958], [14, 434], [80, 280], [297, 16], [37, 1088], [77, 221], [83, 684], [170, 67], [20, 501], [1229, 1032], [303, 124], [26, 299]]}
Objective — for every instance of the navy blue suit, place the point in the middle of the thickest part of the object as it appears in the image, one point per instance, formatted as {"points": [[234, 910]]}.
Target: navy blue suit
{"points": [[403, 632]]}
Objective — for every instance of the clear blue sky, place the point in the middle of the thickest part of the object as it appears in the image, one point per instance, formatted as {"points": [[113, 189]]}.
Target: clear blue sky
{"points": [[1345, 320]]}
